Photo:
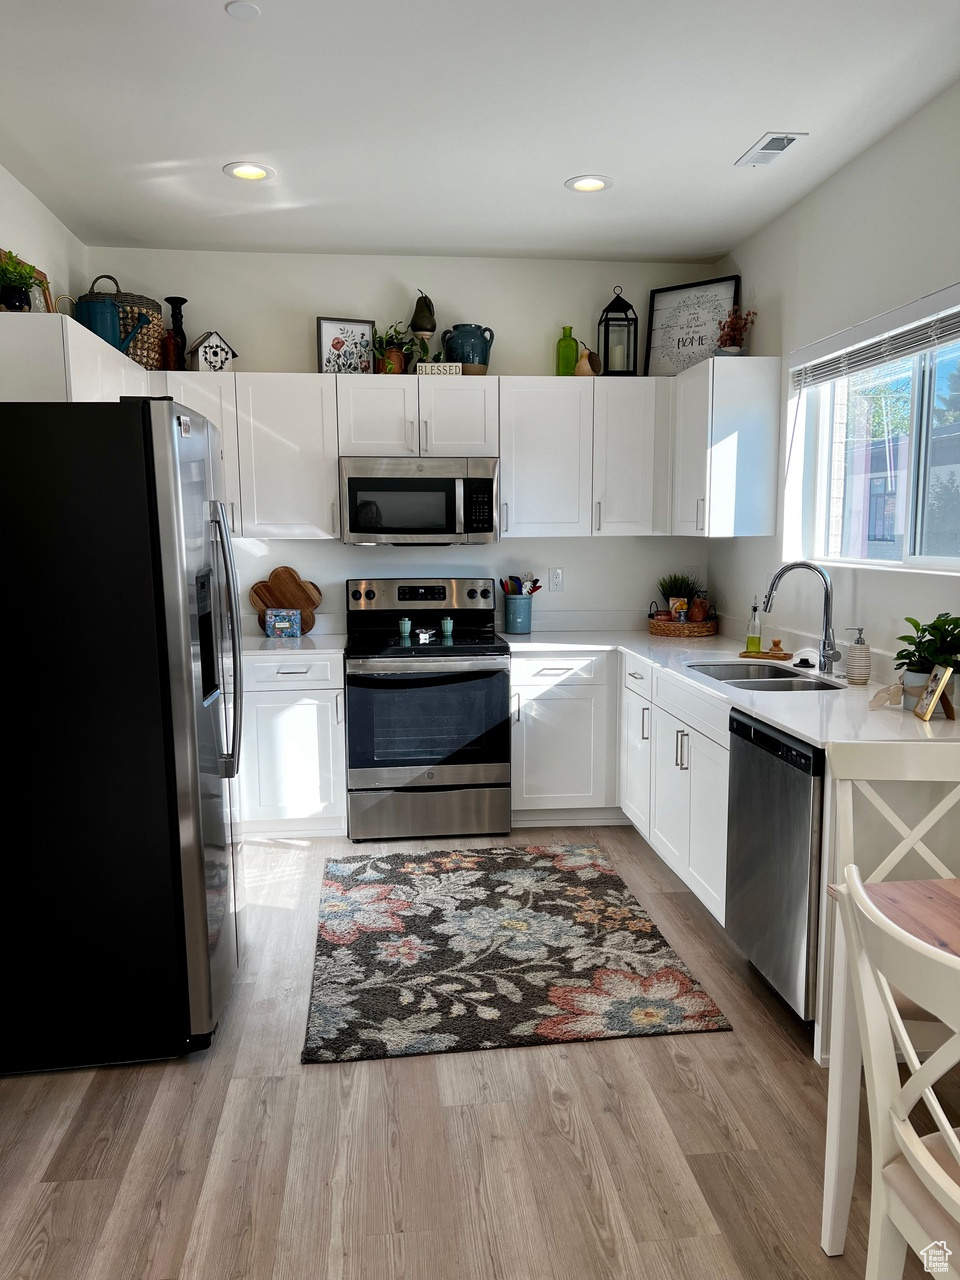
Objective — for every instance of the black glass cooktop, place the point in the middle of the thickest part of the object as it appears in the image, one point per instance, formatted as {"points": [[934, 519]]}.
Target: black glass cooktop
{"points": [[375, 644]]}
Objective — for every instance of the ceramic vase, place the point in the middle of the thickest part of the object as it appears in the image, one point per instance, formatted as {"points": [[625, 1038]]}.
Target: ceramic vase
{"points": [[914, 683], [728, 351], [469, 345]]}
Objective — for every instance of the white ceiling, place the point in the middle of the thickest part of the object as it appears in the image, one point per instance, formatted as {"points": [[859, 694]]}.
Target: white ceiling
{"points": [[449, 129]]}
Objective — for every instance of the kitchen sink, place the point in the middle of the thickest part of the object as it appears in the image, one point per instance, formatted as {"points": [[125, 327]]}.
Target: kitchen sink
{"points": [[790, 684], [745, 671]]}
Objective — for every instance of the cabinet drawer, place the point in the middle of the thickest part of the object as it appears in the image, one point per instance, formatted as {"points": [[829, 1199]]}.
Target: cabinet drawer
{"points": [[559, 668], [637, 674], [293, 671], [710, 714]]}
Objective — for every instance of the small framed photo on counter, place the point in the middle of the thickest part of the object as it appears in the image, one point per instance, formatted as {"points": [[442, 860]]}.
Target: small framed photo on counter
{"points": [[933, 690]]}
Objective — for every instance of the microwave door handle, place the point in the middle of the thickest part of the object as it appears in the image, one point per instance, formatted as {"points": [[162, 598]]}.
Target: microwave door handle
{"points": [[458, 500], [230, 762]]}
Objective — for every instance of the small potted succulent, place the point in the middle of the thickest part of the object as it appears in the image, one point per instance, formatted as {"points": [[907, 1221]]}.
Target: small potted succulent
{"points": [[733, 331], [393, 348], [17, 278], [932, 644]]}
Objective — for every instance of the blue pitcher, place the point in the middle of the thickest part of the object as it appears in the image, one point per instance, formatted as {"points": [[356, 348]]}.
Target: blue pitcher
{"points": [[468, 344]]}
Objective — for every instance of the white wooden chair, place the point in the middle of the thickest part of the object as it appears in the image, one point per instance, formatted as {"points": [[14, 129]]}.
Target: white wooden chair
{"points": [[892, 847], [915, 1181]]}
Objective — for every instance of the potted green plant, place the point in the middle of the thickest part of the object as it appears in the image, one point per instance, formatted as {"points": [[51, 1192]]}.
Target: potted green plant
{"points": [[393, 348], [679, 586], [17, 278], [932, 644]]}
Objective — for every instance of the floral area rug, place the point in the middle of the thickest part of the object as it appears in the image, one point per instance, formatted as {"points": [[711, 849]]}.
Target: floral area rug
{"points": [[454, 950]]}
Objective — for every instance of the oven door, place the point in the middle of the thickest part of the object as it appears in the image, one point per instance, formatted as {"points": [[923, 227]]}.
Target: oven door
{"points": [[398, 501], [427, 722]]}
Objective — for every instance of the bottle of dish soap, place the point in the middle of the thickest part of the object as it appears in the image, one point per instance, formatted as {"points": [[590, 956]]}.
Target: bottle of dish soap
{"points": [[753, 630], [858, 659]]}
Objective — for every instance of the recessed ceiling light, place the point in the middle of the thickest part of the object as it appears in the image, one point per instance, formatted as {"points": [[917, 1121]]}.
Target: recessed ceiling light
{"points": [[589, 182], [242, 10], [248, 170]]}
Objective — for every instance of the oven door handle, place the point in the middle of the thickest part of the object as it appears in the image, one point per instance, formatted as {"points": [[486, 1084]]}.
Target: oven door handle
{"points": [[425, 666]]}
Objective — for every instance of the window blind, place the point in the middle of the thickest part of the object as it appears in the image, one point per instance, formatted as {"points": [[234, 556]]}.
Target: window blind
{"points": [[932, 332]]}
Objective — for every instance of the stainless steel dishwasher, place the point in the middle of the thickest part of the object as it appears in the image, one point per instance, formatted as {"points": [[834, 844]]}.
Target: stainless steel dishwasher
{"points": [[773, 856]]}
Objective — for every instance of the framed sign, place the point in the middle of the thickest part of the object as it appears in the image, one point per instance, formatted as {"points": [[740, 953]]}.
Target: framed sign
{"points": [[684, 323], [344, 346]]}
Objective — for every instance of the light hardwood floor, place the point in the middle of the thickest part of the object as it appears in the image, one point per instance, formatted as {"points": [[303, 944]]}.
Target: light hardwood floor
{"points": [[687, 1156]]}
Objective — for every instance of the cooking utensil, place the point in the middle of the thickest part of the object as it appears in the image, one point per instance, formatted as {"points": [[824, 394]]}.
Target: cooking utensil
{"points": [[285, 589]]}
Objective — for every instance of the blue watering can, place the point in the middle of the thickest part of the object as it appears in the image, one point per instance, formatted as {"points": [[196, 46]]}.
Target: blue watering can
{"points": [[101, 316]]}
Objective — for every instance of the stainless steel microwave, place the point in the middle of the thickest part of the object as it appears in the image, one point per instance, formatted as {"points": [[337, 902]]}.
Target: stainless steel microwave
{"points": [[432, 502]]}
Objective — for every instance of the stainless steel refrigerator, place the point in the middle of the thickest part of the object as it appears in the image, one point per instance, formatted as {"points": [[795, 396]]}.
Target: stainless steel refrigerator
{"points": [[123, 893]]}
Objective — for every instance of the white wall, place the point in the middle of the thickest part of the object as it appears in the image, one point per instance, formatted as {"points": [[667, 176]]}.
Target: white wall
{"points": [[608, 582], [30, 230], [266, 304], [879, 234]]}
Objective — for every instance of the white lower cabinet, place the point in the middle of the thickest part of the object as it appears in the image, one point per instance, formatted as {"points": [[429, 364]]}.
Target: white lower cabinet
{"points": [[564, 723], [688, 813], [636, 722], [292, 754]]}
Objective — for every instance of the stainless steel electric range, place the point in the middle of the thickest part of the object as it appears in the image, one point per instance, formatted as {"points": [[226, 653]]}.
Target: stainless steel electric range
{"points": [[428, 709]]}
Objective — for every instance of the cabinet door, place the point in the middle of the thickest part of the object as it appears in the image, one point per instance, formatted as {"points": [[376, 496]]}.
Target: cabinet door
{"points": [[694, 405], [214, 397], [744, 447], [635, 756], [707, 864], [377, 414], [559, 753], [624, 456], [32, 360], [546, 451], [459, 417], [288, 455], [670, 805], [292, 773]]}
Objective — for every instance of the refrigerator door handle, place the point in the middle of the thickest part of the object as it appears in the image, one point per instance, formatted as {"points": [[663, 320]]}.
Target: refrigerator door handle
{"points": [[230, 762]]}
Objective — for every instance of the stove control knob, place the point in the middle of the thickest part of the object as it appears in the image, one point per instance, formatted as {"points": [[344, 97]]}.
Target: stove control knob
{"points": [[472, 593], [369, 594], [485, 593], [356, 595]]}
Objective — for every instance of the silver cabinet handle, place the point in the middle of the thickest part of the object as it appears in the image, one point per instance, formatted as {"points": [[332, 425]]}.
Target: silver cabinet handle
{"points": [[292, 671], [412, 435], [233, 517], [701, 512], [552, 671], [598, 517], [635, 675], [230, 761], [335, 518], [644, 735], [684, 754], [517, 716], [506, 517], [677, 747], [425, 434], [338, 705]]}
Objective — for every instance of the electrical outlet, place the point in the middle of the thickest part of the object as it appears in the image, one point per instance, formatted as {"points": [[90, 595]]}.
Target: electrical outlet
{"points": [[692, 570], [555, 579]]}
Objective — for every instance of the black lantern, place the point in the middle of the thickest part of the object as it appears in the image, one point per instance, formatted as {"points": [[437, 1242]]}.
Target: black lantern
{"points": [[617, 335]]}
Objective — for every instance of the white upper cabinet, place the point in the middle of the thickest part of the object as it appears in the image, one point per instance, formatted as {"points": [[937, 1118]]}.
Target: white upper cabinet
{"points": [[631, 456], [287, 434], [404, 415], [459, 417], [546, 456], [726, 446], [52, 357]]}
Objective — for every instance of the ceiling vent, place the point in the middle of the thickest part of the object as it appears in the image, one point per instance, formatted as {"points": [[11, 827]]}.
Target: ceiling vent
{"points": [[770, 146]]}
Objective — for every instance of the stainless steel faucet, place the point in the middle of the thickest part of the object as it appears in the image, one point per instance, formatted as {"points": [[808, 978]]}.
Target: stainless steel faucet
{"points": [[828, 645]]}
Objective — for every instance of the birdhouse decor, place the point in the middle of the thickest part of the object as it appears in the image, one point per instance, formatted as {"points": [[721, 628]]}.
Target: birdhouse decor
{"points": [[617, 334], [211, 353]]}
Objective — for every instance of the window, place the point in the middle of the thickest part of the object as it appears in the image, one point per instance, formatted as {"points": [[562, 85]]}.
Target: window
{"points": [[887, 416]]}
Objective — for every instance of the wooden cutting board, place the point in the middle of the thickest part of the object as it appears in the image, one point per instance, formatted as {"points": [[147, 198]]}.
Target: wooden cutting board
{"points": [[285, 589]]}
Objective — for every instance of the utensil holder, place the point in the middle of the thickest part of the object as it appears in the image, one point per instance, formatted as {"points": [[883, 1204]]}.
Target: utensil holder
{"points": [[516, 614]]}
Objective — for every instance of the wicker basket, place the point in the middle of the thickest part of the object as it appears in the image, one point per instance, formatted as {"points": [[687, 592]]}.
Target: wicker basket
{"points": [[145, 347], [683, 630]]}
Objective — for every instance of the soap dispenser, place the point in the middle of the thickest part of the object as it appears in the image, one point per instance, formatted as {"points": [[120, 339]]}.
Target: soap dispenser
{"points": [[858, 659]]}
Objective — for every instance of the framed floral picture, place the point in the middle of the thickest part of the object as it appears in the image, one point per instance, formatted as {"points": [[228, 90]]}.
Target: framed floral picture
{"points": [[683, 323], [344, 346]]}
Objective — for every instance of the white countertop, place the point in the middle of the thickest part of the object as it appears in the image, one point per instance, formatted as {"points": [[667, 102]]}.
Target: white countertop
{"points": [[840, 715]]}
